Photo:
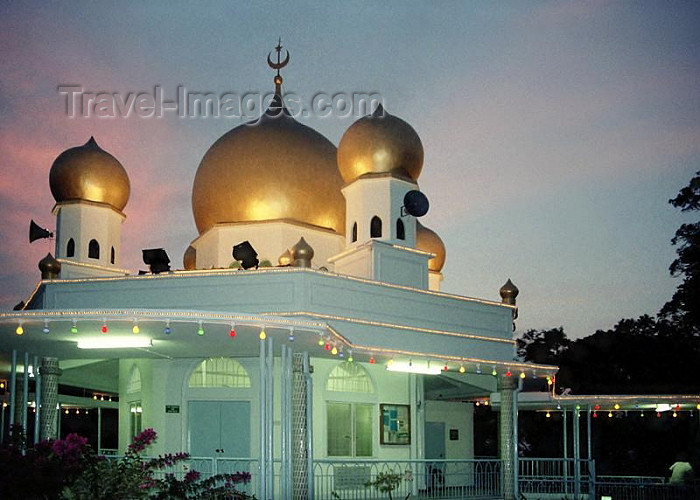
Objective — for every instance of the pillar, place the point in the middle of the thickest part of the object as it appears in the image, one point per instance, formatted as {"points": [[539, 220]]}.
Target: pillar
{"points": [[300, 451], [508, 436], [49, 373]]}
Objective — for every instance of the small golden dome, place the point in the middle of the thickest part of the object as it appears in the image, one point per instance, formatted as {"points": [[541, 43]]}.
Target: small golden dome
{"points": [[189, 260], [50, 268], [380, 143], [301, 253], [89, 173], [427, 240], [285, 259], [275, 168], [509, 292]]}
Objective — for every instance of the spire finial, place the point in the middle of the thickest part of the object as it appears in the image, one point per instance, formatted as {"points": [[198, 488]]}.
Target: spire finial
{"points": [[278, 65]]}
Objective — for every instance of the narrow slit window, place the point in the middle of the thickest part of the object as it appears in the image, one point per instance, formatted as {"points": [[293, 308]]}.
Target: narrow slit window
{"points": [[375, 227], [70, 248], [400, 230], [93, 250]]}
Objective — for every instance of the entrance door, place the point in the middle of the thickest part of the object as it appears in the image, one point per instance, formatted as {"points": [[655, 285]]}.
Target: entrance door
{"points": [[435, 450], [219, 429]]}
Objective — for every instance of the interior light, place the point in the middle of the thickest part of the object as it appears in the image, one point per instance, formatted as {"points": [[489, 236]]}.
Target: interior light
{"points": [[114, 342], [423, 369]]}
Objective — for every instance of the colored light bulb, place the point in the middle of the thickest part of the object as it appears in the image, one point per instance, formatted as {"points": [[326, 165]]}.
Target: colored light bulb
{"points": [[104, 329], [136, 329], [262, 335], [462, 369], [19, 330], [232, 332], [371, 360]]}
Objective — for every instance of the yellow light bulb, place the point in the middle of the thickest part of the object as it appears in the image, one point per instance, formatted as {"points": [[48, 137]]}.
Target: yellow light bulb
{"points": [[19, 330], [617, 406], [522, 374], [462, 369], [263, 335], [136, 329], [334, 351]]}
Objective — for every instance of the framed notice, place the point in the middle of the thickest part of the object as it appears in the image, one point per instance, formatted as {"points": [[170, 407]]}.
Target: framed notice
{"points": [[394, 424]]}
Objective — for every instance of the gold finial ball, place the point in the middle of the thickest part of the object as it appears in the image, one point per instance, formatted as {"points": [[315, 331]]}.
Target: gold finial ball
{"points": [[89, 173], [509, 292], [301, 253], [189, 260], [274, 169], [50, 268], [285, 259], [428, 240], [380, 143]]}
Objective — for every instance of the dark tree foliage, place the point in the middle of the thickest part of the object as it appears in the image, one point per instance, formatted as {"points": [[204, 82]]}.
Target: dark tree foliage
{"points": [[683, 310], [543, 346]]}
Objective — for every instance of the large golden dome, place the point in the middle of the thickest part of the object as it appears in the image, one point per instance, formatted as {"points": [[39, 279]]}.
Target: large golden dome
{"points": [[428, 241], [275, 168], [89, 173], [380, 143]]}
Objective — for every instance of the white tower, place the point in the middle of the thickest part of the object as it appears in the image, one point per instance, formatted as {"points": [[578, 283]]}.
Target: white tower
{"points": [[91, 188]]}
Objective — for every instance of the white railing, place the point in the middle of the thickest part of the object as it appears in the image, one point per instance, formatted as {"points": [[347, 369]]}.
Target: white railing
{"points": [[346, 479], [562, 476]]}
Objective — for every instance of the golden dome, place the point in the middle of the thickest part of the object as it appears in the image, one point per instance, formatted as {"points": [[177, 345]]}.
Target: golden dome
{"points": [[380, 143], [275, 168], [427, 240], [89, 173], [285, 259], [189, 260]]}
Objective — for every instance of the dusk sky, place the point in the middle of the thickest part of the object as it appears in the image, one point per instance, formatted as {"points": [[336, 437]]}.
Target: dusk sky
{"points": [[554, 132]]}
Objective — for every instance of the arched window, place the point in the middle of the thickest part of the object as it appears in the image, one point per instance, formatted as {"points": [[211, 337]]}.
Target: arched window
{"points": [[70, 248], [93, 250], [375, 227], [111, 256], [220, 372], [400, 230], [354, 232], [134, 383], [349, 377]]}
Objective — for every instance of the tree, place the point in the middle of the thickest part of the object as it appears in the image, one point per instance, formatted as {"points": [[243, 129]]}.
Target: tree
{"points": [[683, 310], [543, 346]]}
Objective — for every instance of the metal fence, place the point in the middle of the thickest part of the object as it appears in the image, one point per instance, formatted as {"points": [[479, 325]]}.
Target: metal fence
{"points": [[348, 479], [644, 488], [556, 476]]}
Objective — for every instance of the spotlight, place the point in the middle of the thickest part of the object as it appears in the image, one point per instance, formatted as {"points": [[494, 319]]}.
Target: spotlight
{"points": [[246, 254], [156, 259]]}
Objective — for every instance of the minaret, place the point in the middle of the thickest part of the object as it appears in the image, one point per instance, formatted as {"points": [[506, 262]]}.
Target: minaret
{"points": [[91, 188], [380, 158]]}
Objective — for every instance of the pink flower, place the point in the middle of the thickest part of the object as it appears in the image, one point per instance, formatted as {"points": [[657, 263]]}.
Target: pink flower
{"points": [[192, 476], [142, 440]]}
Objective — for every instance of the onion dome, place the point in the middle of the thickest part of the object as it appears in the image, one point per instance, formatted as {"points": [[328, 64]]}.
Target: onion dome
{"points": [[301, 253], [270, 169], [285, 259], [189, 260], [380, 143], [89, 173], [50, 268], [427, 240], [509, 292]]}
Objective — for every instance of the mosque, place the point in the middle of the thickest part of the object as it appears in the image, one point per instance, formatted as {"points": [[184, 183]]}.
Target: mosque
{"points": [[307, 324]]}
